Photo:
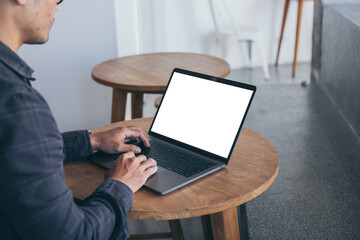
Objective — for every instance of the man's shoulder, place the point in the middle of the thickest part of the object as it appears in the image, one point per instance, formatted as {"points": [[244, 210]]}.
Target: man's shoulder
{"points": [[10, 87], [18, 96], [24, 110], [9, 80]]}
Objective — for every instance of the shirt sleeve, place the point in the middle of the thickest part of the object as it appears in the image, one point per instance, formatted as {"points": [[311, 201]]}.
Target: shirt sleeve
{"points": [[35, 202], [77, 145]]}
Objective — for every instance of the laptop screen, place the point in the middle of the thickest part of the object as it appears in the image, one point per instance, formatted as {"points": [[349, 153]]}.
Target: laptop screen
{"points": [[202, 113]]}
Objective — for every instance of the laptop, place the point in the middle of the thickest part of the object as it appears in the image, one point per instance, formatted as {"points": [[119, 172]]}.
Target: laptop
{"points": [[195, 129]]}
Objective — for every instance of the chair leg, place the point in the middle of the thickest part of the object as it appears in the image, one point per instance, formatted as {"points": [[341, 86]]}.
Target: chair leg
{"points": [[244, 45], [225, 43], [249, 46], [286, 8], [261, 46], [224, 48], [300, 8], [214, 46]]}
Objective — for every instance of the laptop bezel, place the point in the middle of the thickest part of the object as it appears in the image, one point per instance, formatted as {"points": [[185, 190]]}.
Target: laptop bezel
{"points": [[192, 148]]}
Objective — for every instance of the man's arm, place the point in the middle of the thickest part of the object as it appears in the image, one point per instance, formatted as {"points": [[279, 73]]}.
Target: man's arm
{"points": [[79, 144], [34, 198]]}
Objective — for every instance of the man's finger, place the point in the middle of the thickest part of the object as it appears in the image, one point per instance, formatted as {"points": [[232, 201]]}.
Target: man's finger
{"points": [[131, 148], [140, 159], [138, 133], [148, 164], [150, 171], [137, 129], [129, 154]]}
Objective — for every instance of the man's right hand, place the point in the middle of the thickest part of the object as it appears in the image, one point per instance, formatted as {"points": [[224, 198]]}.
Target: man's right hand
{"points": [[131, 170]]}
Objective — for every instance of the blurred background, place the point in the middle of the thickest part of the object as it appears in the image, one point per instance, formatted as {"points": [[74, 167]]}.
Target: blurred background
{"points": [[312, 118], [86, 33]]}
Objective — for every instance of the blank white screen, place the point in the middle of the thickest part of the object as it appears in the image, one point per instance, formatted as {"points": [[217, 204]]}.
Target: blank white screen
{"points": [[202, 113]]}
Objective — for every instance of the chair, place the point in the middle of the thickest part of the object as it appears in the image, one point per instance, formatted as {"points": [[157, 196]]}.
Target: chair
{"points": [[298, 24], [226, 36]]}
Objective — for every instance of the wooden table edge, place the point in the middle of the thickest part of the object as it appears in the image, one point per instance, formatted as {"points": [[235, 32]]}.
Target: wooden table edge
{"points": [[152, 215], [130, 88], [151, 89]]}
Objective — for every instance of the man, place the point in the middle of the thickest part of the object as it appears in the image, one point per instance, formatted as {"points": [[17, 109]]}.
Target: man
{"points": [[35, 202]]}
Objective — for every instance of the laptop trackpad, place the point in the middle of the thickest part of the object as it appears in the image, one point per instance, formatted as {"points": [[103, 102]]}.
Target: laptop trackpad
{"points": [[164, 181]]}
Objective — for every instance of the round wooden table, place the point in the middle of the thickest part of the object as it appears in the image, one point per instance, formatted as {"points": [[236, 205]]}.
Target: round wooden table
{"points": [[149, 73], [253, 167]]}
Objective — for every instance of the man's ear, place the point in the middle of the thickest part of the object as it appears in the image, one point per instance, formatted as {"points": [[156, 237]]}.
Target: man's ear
{"points": [[21, 2]]}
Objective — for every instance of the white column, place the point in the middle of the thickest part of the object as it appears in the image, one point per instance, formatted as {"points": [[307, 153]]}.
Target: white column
{"points": [[128, 27]]}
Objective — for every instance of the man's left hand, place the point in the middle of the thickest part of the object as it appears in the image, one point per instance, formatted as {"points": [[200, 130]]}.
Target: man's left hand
{"points": [[113, 141]]}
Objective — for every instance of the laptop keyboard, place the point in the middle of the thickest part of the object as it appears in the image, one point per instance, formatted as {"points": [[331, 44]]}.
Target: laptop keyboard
{"points": [[175, 160]]}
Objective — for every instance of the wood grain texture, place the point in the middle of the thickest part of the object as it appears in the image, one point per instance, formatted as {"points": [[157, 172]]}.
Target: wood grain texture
{"points": [[118, 105], [298, 24], [137, 101], [253, 167], [149, 73], [286, 10], [225, 225]]}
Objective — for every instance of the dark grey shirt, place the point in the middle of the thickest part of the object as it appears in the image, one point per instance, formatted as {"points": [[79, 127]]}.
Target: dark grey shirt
{"points": [[35, 202]]}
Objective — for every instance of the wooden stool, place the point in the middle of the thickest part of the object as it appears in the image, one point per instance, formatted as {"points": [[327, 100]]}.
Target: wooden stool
{"points": [[149, 73], [286, 8], [253, 168]]}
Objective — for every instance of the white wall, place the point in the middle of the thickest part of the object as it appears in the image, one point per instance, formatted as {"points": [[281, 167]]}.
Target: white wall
{"points": [[83, 35], [86, 33], [186, 25]]}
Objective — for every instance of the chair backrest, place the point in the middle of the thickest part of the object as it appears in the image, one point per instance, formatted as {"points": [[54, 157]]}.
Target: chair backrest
{"points": [[221, 15]]}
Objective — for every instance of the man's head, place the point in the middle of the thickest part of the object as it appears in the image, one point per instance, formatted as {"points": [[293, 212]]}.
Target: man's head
{"points": [[38, 20], [26, 21]]}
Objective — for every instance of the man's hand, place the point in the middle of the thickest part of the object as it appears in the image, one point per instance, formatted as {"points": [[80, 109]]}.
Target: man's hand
{"points": [[132, 171], [112, 141]]}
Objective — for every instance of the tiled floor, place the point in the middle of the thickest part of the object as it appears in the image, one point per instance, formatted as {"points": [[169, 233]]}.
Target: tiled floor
{"points": [[317, 192], [278, 75]]}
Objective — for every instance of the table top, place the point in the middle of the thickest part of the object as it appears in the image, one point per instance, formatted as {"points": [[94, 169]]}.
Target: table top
{"points": [[151, 72], [253, 167]]}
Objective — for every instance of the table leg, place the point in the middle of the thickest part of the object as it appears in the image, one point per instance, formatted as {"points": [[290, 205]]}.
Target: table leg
{"points": [[244, 229], [118, 105], [300, 8], [225, 224], [206, 225], [137, 101], [176, 231], [175, 234]]}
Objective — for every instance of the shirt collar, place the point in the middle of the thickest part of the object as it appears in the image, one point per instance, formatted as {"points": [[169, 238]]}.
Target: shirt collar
{"points": [[13, 61]]}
